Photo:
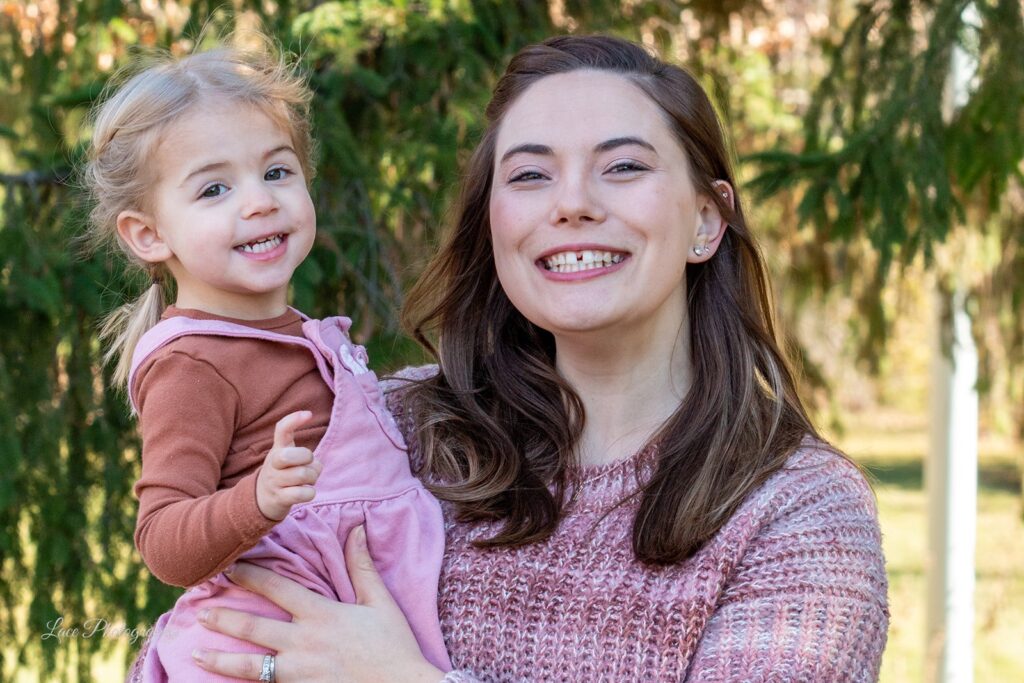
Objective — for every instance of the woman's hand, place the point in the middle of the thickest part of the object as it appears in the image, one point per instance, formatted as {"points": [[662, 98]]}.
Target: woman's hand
{"points": [[326, 640]]}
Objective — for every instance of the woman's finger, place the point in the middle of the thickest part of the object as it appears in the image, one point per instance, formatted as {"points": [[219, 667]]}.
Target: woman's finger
{"points": [[248, 667], [269, 633], [366, 582], [293, 597]]}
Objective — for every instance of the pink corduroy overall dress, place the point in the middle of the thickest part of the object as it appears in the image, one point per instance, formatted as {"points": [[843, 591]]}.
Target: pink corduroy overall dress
{"points": [[365, 480]]}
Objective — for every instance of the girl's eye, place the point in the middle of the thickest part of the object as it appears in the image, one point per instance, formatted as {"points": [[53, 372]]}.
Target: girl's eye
{"points": [[214, 190], [277, 173], [526, 176], [621, 167]]}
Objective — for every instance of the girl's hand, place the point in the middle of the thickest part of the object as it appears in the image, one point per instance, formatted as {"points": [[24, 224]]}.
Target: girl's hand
{"points": [[288, 472], [326, 640]]}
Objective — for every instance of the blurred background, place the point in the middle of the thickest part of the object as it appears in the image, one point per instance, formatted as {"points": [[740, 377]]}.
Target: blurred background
{"points": [[880, 145]]}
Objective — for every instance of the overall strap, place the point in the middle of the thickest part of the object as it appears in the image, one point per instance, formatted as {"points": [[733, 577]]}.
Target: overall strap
{"points": [[169, 329]]}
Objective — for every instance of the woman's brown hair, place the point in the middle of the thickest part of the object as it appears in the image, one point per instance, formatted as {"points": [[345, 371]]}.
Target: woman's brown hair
{"points": [[499, 426]]}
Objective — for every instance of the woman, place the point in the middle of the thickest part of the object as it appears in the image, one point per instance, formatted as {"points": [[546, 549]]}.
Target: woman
{"points": [[632, 487]]}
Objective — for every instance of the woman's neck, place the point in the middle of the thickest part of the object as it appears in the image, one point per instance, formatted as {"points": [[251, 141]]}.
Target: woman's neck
{"points": [[629, 385]]}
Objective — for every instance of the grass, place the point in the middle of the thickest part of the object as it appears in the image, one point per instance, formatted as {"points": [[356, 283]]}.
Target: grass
{"points": [[892, 445]]}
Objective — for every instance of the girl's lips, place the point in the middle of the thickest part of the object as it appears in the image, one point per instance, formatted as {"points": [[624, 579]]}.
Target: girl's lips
{"points": [[268, 255]]}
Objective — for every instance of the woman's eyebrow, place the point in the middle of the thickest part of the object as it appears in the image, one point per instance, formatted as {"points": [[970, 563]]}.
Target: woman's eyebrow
{"points": [[622, 142], [607, 145], [527, 148]]}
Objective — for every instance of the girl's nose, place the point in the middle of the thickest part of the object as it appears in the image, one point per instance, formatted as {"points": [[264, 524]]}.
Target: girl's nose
{"points": [[259, 200], [576, 202]]}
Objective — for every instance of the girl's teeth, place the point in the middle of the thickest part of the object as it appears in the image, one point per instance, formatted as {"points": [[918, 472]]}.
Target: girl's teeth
{"points": [[574, 262], [262, 246]]}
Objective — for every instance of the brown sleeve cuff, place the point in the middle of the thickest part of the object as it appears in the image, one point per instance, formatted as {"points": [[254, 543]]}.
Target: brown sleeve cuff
{"points": [[246, 518]]}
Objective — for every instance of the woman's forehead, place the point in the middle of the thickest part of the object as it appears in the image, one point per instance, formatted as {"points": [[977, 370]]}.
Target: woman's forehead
{"points": [[582, 107], [581, 111]]}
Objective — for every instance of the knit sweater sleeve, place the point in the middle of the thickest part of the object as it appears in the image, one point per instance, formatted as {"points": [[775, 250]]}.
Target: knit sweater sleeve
{"points": [[189, 528], [393, 387], [807, 600]]}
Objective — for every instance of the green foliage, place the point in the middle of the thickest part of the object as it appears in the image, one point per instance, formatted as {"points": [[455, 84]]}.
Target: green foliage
{"points": [[400, 89], [890, 168], [399, 94]]}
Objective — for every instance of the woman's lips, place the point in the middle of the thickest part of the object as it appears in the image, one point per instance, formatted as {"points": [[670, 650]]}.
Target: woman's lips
{"points": [[584, 259], [577, 264]]}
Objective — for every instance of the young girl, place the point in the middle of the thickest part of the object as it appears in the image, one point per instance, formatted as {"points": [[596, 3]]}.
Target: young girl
{"points": [[199, 168]]}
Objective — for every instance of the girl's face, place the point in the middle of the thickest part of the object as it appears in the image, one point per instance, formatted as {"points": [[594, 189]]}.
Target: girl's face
{"points": [[593, 213], [230, 213]]}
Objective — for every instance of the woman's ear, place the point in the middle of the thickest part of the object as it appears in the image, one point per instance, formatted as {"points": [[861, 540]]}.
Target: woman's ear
{"points": [[711, 224], [138, 230]]}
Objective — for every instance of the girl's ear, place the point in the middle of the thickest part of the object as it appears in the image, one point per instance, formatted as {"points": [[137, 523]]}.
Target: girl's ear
{"points": [[711, 224], [138, 230]]}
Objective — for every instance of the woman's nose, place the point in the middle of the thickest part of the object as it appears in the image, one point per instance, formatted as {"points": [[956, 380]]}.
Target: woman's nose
{"points": [[576, 202], [258, 200]]}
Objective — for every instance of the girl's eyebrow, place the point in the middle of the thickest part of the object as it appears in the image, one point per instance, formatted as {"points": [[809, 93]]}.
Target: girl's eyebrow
{"points": [[218, 165], [213, 166], [607, 145], [280, 148]]}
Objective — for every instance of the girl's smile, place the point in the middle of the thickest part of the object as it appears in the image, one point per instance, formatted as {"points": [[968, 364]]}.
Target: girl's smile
{"points": [[264, 248]]}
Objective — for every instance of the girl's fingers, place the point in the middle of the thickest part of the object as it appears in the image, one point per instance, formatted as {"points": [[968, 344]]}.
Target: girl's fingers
{"points": [[291, 456], [247, 667], [284, 430], [289, 595], [293, 495], [298, 476]]}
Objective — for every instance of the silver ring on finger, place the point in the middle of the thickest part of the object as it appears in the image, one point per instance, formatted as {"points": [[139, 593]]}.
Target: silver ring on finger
{"points": [[267, 672]]}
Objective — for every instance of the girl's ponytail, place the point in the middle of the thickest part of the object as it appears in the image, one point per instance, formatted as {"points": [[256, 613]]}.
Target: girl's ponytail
{"points": [[123, 328]]}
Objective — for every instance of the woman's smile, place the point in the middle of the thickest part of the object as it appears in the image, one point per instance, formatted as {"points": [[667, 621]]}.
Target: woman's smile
{"points": [[592, 210], [580, 262]]}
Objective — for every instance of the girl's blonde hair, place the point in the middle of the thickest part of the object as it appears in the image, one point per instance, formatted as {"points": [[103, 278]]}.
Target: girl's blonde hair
{"points": [[128, 125]]}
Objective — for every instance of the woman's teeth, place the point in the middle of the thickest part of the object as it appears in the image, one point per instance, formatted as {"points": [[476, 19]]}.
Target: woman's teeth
{"points": [[575, 261], [262, 245]]}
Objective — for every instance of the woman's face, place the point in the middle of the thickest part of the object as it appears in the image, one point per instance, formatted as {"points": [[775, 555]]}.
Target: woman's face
{"points": [[593, 212]]}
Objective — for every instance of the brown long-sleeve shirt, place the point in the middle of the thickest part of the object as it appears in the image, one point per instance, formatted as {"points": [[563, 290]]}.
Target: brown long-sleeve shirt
{"points": [[207, 410]]}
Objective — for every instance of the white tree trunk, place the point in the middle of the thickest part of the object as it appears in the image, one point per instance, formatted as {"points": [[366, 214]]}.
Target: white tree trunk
{"points": [[951, 482]]}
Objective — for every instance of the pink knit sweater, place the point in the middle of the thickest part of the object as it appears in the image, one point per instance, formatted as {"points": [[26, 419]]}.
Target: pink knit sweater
{"points": [[793, 588]]}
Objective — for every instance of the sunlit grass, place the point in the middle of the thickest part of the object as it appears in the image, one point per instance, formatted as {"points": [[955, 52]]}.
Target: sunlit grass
{"points": [[892, 446]]}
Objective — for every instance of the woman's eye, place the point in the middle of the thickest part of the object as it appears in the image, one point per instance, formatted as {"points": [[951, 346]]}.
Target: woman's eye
{"points": [[214, 190], [621, 167], [276, 173], [525, 176]]}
